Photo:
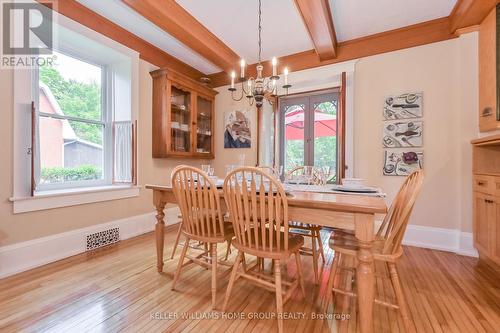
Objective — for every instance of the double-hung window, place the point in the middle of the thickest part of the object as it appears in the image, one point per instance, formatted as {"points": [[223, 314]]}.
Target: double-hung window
{"points": [[74, 124]]}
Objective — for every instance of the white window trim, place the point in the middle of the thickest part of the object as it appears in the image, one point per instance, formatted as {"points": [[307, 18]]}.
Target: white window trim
{"points": [[21, 199], [72, 197], [326, 77]]}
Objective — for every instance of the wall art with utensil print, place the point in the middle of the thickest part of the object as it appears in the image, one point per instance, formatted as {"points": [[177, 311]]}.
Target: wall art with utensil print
{"points": [[400, 134], [403, 106], [402, 163]]}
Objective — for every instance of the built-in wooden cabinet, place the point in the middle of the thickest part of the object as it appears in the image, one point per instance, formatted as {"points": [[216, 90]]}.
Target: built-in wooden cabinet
{"points": [[183, 116], [483, 222], [486, 187], [489, 110]]}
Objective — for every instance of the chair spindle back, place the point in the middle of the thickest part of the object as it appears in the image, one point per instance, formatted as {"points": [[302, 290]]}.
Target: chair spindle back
{"points": [[394, 225], [258, 208], [299, 170], [198, 201]]}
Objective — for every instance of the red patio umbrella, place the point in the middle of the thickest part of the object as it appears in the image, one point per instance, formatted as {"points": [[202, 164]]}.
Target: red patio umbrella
{"points": [[324, 125]]}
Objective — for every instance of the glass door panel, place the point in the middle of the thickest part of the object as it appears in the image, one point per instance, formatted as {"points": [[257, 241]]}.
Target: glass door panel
{"points": [[180, 103], [293, 150], [325, 134], [308, 132], [204, 131]]}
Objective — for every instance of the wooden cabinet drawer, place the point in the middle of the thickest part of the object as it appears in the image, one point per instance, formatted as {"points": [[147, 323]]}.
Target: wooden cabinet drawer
{"points": [[486, 184]]}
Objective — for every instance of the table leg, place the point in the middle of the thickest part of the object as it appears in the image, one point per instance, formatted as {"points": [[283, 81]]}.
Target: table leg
{"points": [[365, 274], [160, 234]]}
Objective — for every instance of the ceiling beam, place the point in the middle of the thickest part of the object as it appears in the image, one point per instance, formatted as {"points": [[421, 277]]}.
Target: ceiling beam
{"points": [[318, 20], [177, 22], [467, 13], [410, 36], [148, 52]]}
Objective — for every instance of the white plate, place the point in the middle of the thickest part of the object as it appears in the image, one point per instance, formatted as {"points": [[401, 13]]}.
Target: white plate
{"points": [[355, 189], [351, 182], [353, 186]]}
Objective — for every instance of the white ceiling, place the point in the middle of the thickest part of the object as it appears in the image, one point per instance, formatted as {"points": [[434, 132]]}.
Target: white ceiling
{"points": [[121, 14], [358, 18], [235, 23]]}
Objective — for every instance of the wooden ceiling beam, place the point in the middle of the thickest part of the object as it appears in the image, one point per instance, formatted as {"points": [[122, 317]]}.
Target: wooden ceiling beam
{"points": [[148, 52], [318, 20], [393, 40], [467, 13], [177, 22]]}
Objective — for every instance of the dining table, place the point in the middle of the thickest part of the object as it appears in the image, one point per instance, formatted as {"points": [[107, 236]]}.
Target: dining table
{"points": [[345, 211]]}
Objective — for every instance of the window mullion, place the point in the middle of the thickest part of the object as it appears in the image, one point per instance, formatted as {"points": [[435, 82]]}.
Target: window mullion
{"points": [[69, 118], [309, 125]]}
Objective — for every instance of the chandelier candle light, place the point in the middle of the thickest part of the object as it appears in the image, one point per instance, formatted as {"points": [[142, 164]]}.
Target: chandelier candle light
{"points": [[259, 87]]}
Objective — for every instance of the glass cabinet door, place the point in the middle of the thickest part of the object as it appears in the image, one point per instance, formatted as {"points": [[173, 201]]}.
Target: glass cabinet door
{"points": [[180, 106], [204, 130]]}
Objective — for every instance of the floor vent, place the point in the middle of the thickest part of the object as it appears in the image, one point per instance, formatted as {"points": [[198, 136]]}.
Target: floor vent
{"points": [[102, 238]]}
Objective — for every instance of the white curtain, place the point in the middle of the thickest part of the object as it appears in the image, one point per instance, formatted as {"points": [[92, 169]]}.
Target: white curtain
{"points": [[266, 135], [123, 152]]}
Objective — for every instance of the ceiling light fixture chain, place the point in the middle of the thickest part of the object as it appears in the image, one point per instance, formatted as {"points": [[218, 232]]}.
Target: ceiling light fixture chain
{"points": [[260, 31], [259, 87]]}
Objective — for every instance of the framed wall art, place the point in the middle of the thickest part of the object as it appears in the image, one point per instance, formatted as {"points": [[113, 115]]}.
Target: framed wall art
{"points": [[237, 130], [403, 106], [400, 134], [402, 163]]}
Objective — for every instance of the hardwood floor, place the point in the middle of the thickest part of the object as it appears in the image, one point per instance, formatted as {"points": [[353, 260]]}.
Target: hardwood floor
{"points": [[118, 289]]}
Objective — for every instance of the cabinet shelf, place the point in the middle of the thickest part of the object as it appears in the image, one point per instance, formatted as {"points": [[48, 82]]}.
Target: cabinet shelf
{"points": [[179, 101], [487, 174], [176, 108], [180, 130]]}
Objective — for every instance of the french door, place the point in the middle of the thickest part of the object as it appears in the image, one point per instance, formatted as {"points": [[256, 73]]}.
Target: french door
{"points": [[308, 130]]}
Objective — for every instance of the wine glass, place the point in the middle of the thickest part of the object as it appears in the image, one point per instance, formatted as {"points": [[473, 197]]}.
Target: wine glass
{"points": [[326, 173], [230, 168], [206, 168], [241, 159], [308, 174]]}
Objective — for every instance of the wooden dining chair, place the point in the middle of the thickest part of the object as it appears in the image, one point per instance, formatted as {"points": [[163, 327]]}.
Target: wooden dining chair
{"points": [[178, 237], [258, 209], [299, 171], [309, 230], [387, 245], [202, 219]]}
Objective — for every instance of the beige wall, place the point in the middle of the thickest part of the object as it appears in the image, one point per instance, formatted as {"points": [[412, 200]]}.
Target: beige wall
{"points": [[446, 73], [27, 226]]}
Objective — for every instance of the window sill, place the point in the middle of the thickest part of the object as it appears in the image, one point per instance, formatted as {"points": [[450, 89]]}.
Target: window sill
{"points": [[72, 197]]}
